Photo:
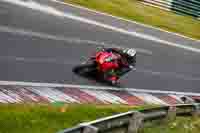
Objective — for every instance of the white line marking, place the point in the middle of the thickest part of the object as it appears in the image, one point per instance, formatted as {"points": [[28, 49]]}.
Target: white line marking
{"points": [[74, 62], [168, 74], [53, 11], [32, 84], [39, 60], [62, 38], [46, 36], [119, 18]]}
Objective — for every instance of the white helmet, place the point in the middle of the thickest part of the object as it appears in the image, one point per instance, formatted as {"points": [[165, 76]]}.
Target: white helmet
{"points": [[130, 51]]}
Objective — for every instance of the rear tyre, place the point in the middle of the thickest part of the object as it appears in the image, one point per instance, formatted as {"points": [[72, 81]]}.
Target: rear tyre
{"points": [[84, 69]]}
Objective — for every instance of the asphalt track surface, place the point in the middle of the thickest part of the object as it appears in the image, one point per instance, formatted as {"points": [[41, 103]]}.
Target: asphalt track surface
{"points": [[40, 47]]}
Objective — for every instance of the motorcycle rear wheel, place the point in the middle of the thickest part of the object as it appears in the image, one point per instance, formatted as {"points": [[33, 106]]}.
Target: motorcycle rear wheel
{"points": [[84, 69]]}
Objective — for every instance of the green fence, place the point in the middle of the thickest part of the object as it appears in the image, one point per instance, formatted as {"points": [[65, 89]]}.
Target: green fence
{"points": [[187, 7]]}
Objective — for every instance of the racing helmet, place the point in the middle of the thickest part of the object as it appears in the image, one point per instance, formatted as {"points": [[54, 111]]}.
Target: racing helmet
{"points": [[130, 54]]}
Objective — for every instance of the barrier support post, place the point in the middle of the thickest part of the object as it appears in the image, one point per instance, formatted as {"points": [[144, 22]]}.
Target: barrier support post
{"points": [[196, 111], [90, 129], [171, 114], [135, 122]]}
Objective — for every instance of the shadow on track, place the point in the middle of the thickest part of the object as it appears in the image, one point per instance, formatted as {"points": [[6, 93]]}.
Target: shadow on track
{"points": [[92, 76]]}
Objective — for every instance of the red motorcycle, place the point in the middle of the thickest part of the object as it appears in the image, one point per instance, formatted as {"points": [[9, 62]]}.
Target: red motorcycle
{"points": [[102, 67]]}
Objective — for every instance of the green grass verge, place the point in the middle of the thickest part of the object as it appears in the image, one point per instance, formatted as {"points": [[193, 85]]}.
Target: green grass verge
{"points": [[134, 10], [28, 118], [19, 118], [180, 125]]}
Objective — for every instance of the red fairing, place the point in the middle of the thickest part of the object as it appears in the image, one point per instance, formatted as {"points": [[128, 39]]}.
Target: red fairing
{"points": [[103, 65]]}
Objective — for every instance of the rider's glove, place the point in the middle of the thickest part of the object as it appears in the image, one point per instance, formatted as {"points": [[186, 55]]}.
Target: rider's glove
{"points": [[132, 67]]}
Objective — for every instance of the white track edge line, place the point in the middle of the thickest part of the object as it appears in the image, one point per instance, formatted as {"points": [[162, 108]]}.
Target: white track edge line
{"points": [[53, 11], [62, 38], [37, 84], [120, 18]]}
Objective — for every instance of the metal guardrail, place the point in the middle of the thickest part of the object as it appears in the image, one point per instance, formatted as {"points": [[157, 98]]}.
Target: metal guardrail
{"points": [[132, 121], [188, 7]]}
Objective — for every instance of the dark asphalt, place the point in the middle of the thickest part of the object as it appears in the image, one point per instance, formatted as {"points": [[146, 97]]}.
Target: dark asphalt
{"points": [[26, 57], [123, 24]]}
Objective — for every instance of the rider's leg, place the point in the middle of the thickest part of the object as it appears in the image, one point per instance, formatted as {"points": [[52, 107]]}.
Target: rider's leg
{"points": [[110, 73], [122, 71]]}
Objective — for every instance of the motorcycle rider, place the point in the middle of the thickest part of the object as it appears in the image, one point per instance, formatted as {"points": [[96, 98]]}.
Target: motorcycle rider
{"points": [[126, 59]]}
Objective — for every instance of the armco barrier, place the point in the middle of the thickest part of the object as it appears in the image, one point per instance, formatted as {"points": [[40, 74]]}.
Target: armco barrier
{"points": [[131, 122], [189, 7]]}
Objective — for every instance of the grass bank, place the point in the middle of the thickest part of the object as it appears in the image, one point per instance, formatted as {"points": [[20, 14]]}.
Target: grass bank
{"points": [[19, 118], [27, 118], [180, 125], [134, 10]]}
